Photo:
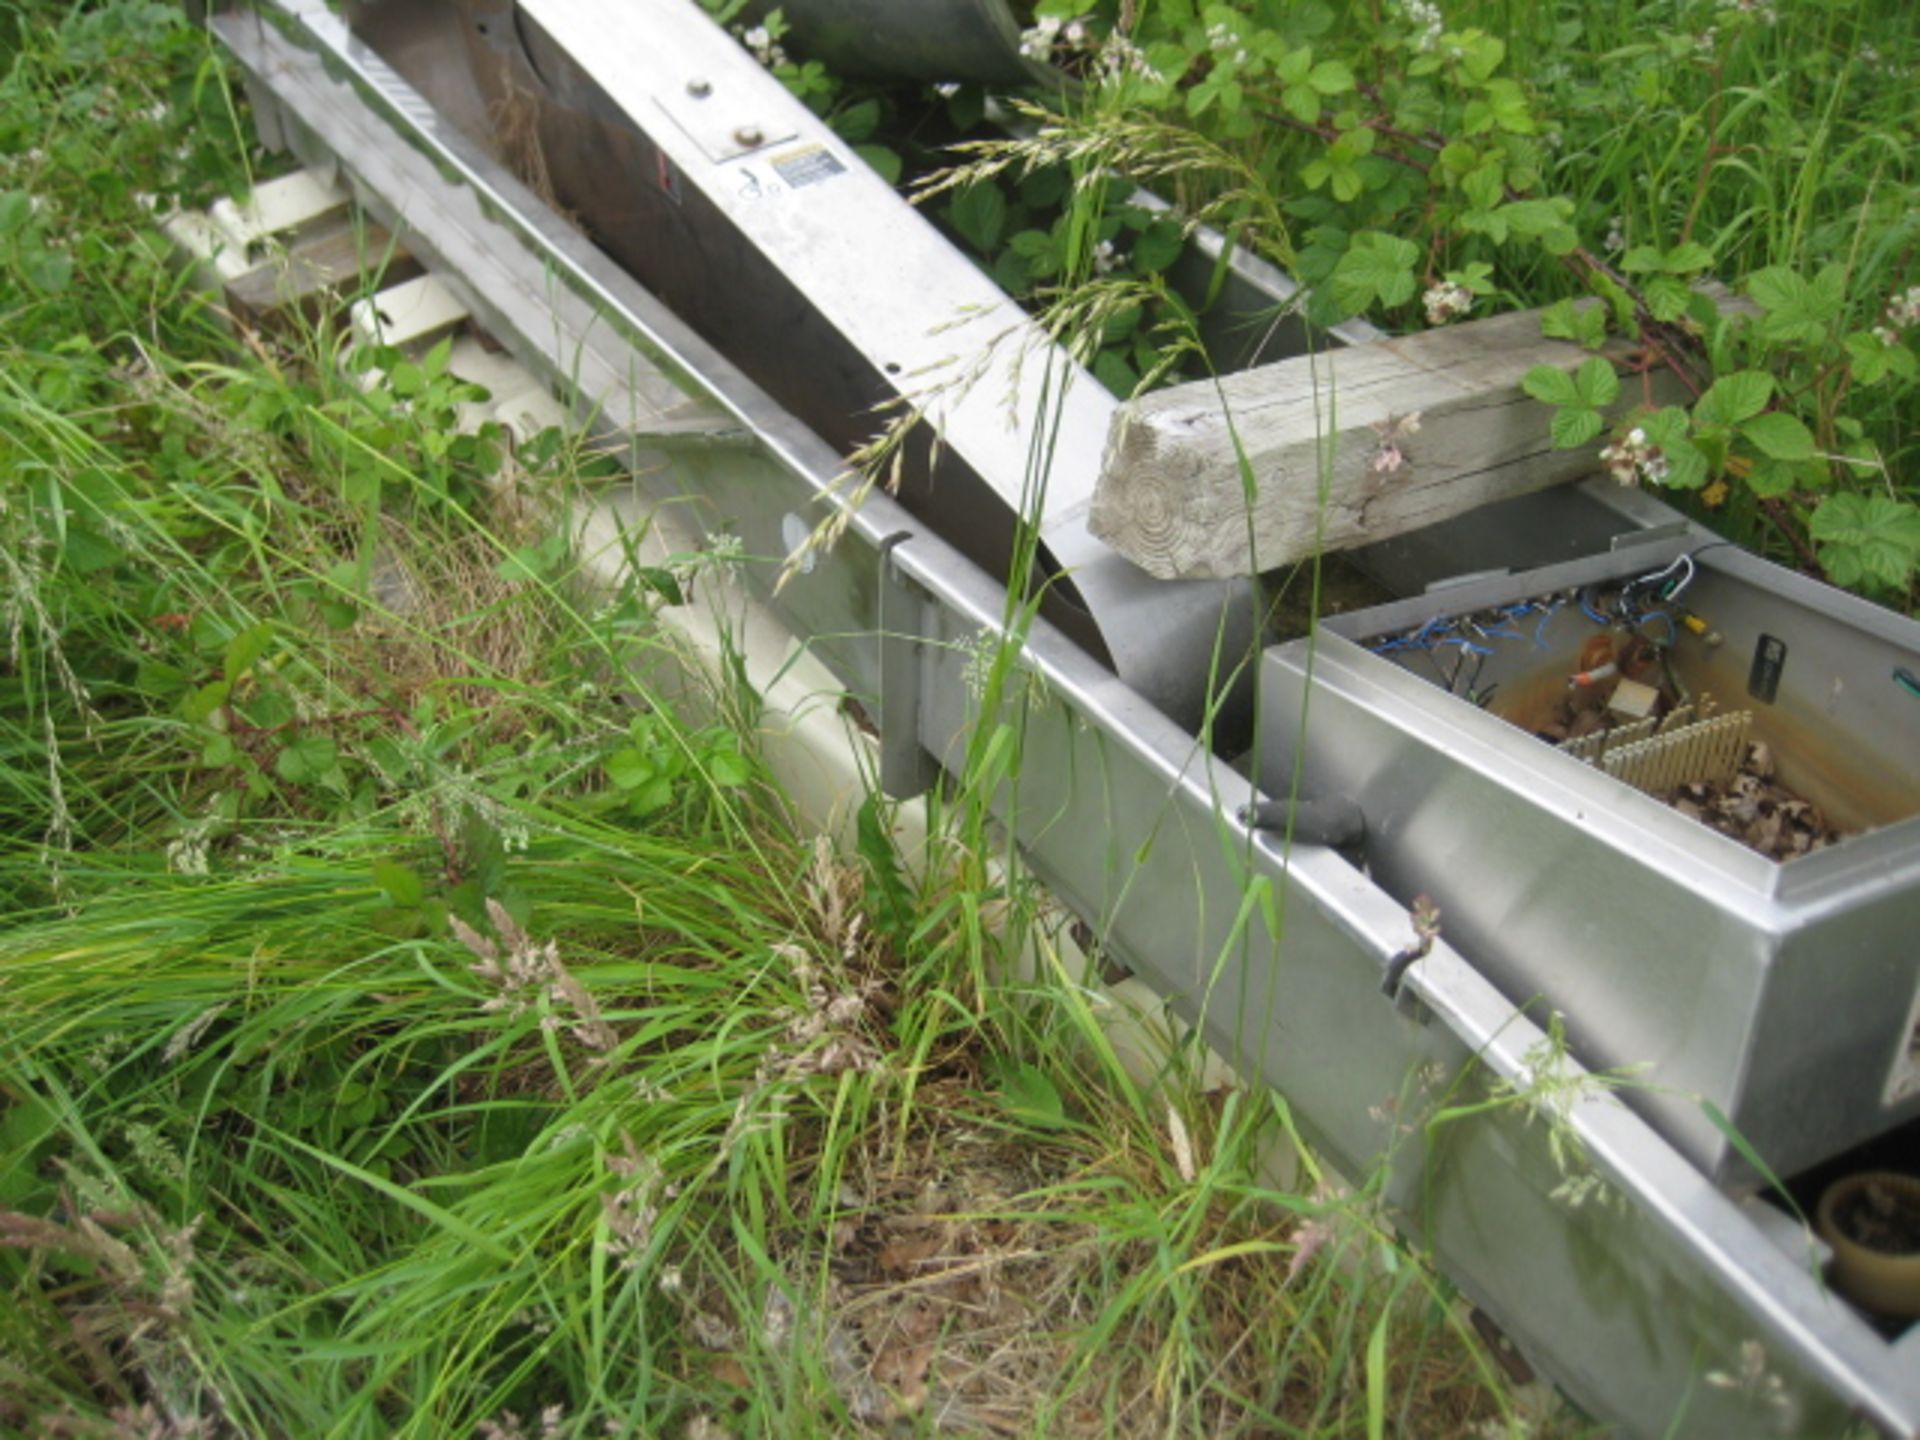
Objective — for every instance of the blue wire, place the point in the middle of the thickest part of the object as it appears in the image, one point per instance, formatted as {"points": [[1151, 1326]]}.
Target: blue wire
{"points": [[1540, 630], [1591, 613], [1673, 631]]}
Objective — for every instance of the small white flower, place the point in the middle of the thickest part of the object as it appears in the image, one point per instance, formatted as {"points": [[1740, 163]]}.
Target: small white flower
{"points": [[1120, 56], [761, 42], [1429, 24], [1107, 259], [1445, 301], [1616, 233], [947, 89], [1633, 458], [1038, 40]]}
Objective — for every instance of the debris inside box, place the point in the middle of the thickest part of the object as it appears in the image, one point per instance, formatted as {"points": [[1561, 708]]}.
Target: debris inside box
{"points": [[1600, 673]]}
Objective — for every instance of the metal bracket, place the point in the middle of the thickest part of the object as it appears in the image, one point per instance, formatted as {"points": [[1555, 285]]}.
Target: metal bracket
{"points": [[1628, 539], [906, 768]]}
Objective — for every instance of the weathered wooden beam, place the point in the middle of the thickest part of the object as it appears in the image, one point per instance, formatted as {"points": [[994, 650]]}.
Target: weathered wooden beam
{"points": [[313, 273], [1170, 496]]}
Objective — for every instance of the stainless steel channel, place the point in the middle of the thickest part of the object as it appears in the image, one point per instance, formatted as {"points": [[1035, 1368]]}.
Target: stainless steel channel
{"points": [[696, 171], [1630, 1300]]}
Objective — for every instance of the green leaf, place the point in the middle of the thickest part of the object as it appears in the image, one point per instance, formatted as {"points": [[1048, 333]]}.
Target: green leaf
{"points": [[1596, 382], [1377, 269], [1867, 537], [246, 648], [1640, 259], [1550, 385], [1027, 1094], [1687, 258], [857, 122], [1377, 1377], [1779, 435], [1330, 77], [1586, 324], [1667, 298], [1302, 102], [1111, 369], [630, 767], [1753, 1158], [1575, 426], [1770, 479], [883, 160], [1687, 468], [306, 760], [889, 897], [1798, 310], [1533, 217], [1045, 187], [202, 703], [1508, 104], [1734, 398], [407, 379], [1871, 359], [1157, 247], [402, 885], [728, 768], [1484, 187], [979, 213], [1666, 427]]}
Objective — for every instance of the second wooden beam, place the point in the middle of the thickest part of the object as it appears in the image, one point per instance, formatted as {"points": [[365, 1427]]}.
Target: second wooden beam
{"points": [[1333, 449]]}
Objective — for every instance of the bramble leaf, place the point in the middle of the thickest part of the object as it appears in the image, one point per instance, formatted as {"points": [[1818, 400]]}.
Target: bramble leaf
{"points": [[1377, 268], [1550, 385], [979, 213], [1779, 435], [1575, 426], [1869, 538], [1596, 382], [1733, 398]]}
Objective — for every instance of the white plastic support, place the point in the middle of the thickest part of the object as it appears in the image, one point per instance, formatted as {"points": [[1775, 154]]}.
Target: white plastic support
{"points": [[410, 315], [278, 210]]}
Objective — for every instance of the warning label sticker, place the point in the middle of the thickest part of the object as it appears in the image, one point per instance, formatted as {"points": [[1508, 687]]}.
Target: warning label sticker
{"points": [[809, 165]]}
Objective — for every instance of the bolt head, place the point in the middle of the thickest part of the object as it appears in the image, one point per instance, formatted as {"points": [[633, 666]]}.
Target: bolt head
{"points": [[749, 135], [699, 89]]}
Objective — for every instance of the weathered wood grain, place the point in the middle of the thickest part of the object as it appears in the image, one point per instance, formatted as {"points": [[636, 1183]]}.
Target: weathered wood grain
{"points": [[1171, 498], [306, 280]]}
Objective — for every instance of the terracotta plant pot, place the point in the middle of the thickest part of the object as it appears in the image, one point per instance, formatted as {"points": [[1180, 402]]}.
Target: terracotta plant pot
{"points": [[1860, 1216]]}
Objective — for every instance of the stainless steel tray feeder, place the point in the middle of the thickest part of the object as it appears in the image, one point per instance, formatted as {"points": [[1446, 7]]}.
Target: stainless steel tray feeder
{"points": [[705, 273]]}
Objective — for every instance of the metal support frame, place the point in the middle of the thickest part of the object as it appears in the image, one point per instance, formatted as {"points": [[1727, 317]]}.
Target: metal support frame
{"points": [[1628, 1301]]}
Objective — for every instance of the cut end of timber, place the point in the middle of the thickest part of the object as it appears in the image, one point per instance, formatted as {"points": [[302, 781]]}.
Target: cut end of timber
{"points": [[1344, 448]]}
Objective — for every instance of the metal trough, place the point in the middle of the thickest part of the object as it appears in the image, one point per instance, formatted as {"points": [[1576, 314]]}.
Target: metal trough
{"points": [[689, 288]]}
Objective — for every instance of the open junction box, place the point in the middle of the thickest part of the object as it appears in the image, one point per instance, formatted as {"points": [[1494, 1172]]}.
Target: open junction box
{"points": [[1672, 792]]}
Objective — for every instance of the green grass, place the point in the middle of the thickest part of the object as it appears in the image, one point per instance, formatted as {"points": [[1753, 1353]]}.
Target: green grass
{"points": [[415, 1028]]}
